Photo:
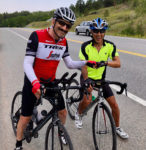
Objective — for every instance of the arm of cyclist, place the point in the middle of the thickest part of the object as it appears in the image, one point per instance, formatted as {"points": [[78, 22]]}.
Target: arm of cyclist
{"points": [[76, 64], [115, 63], [86, 79], [28, 69]]}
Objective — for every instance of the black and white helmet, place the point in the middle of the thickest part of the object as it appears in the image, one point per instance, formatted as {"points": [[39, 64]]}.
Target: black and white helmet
{"points": [[66, 14]]}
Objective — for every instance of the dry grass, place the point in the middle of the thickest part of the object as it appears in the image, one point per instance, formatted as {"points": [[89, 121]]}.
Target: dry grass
{"points": [[119, 18]]}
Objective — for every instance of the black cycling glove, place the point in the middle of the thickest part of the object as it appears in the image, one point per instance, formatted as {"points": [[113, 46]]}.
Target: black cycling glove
{"points": [[87, 82], [91, 63], [101, 64]]}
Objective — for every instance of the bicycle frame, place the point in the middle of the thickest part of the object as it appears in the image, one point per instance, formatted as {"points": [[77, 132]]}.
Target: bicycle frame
{"points": [[50, 115], [98, 100]]}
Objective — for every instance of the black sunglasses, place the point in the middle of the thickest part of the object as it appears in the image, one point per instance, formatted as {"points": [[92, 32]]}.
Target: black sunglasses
{"points": [[98, 30], [62, 23]]}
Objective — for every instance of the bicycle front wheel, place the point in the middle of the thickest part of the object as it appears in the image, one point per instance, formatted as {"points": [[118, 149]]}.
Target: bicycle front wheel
{"points": [[16, 110], [103, 128], [53, 140], [72, 94]]}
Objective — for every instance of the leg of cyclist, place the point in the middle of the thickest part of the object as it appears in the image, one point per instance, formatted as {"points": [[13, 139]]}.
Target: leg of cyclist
{"points": [[21, 126], [109, 96], [23, 121], [83, 104], [28, 102], [62, 115], [115, 109]]}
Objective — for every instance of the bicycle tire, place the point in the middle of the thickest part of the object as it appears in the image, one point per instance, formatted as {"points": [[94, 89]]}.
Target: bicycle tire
{"points": [[104, 132], [52, 139], [16, 110], [74, 93]]}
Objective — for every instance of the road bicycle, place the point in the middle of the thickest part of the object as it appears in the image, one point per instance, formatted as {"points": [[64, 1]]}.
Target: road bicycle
{"points": [[55, 128], [103, 125]]}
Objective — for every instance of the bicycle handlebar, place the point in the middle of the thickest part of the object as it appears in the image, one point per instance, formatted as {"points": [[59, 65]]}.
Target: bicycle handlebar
{"points": [[54, 84], [101, 83], [123, 86], [64, 81]]}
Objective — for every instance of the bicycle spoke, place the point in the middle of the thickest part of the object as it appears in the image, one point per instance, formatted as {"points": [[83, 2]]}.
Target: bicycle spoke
{"points": [[16, 110], [72, 94], [54, 140], [103, 131], [57, 138]]}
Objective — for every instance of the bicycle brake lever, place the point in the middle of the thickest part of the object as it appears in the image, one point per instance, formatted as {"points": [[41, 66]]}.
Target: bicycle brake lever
{"points": [[126, 91]]}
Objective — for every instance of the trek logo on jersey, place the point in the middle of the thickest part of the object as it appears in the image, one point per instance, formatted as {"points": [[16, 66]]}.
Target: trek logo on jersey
{"points": [[53, 47]]}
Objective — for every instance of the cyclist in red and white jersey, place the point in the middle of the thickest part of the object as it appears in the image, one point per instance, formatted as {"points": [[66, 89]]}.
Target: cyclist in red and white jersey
{"points": [[45, 48]]}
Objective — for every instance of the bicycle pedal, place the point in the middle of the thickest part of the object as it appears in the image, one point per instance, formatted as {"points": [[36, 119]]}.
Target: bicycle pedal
{"points": [[28, 136], [36, 135], [15, 119], [102, 132], [68, 100], [85, 114]]}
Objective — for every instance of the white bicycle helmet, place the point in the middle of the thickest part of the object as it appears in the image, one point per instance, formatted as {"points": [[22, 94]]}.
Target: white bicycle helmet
{"points": [[66, 14]]}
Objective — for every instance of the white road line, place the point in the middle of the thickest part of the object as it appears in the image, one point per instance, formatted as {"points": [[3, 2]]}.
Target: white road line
{"points": [[18, 34], [130, 95]]}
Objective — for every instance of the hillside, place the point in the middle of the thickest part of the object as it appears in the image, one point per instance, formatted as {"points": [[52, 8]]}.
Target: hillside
{"points": [[123, 20]]}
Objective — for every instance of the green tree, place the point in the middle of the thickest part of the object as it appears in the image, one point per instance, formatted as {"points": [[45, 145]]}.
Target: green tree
{"points": [[80, 7], [89, 4], [108, 3]]}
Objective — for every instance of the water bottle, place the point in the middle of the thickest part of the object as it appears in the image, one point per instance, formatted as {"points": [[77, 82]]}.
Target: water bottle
{"points": [[35, 113], [41, 115], [93, 97]]}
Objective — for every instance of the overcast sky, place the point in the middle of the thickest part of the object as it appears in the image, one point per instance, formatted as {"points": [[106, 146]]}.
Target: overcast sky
{"points": [[11, 6]]}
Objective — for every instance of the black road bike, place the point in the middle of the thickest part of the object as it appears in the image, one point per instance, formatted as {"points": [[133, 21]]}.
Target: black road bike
{"points": [[103, 125], [55, 128]]}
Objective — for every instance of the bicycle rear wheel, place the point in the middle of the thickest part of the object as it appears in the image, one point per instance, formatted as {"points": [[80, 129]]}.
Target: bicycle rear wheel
{"points": [[72, 94], [53, 140], [103, 128], [16, 110]]}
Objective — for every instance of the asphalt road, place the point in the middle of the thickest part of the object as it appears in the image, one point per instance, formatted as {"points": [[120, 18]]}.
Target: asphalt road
{"points": [[133, 71]]}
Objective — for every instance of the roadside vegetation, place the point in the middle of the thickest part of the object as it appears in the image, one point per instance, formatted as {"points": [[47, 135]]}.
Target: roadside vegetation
{"points": [[125, 17]]}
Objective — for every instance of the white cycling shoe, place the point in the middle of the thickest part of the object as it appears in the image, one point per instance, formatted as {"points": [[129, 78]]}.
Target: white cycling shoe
{"points": [[62, 137], [78, 121], [19, 148], [121, 133]]}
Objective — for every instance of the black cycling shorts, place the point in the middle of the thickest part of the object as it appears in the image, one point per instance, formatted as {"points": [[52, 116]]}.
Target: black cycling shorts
{"points": [[29, 99], [107, 91]]}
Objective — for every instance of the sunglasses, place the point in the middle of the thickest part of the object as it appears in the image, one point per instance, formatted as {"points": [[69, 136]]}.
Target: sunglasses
{"points": [[62, 23], [98, 30]]}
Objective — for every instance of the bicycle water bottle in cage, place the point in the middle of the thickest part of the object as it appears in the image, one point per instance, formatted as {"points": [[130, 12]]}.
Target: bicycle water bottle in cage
{"points": [[93, 97], [34, 115], [41, 115]]}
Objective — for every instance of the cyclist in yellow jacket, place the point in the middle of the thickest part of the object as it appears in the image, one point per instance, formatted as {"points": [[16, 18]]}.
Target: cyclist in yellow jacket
{"points": [[98, 49]]}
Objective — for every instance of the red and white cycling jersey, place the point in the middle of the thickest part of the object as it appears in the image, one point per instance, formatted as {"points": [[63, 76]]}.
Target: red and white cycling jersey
{"points": [[47, 53]]}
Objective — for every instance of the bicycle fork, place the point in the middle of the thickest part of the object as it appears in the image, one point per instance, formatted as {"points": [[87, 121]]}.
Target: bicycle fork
{"points": [[101, 120]]}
